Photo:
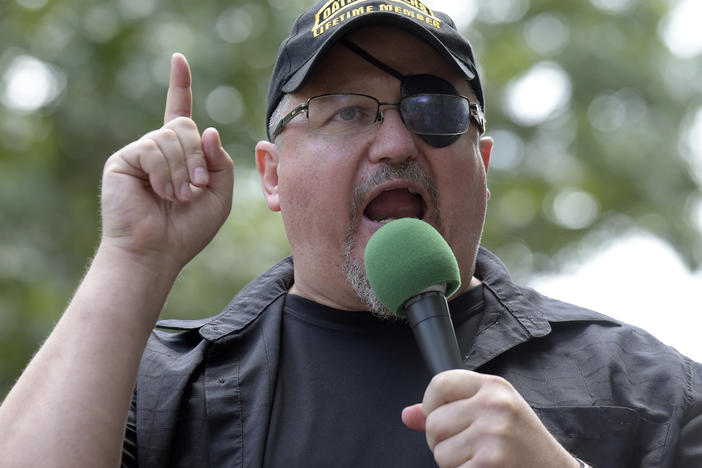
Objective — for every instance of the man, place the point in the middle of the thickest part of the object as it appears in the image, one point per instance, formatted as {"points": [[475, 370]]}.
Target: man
{"points": [[375, 113]]}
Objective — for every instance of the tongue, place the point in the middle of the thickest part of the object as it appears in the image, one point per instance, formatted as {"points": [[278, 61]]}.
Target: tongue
{"points": [[394, 204]]}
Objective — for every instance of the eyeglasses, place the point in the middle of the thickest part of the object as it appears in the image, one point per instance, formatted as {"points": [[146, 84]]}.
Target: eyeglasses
{"points": [[424, 114]]}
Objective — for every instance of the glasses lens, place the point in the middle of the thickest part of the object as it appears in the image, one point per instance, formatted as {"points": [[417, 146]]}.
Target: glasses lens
{"points": [[342, 114], [436, 114]]}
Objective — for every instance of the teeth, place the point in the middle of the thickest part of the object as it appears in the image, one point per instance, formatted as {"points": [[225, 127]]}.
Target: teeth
{"points": [[413, 192], [386, 220]]}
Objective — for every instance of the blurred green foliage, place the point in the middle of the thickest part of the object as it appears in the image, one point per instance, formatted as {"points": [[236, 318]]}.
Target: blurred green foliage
{"points": [[607, 160]]}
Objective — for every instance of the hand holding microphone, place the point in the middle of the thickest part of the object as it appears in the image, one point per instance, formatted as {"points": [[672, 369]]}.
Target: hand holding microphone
{"points": [[470, 419]]}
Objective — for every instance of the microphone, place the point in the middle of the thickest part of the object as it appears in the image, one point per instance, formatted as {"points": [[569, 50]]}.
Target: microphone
{"points": [[412, 269]]}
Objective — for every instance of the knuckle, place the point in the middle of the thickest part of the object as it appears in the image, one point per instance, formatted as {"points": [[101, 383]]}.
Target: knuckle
{"points": [[490, 459], [112, 160], [195, 154], [168, 134], [499, 394], [443, 455], [441, 381], [433, 427], [502, 404], [497, 433], [495, 380], [182, 123], [180, 174], [227, 166], [146, 146]]}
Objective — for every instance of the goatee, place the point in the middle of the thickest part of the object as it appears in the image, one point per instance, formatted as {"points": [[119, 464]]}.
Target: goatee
{"points": [[353, 268]]}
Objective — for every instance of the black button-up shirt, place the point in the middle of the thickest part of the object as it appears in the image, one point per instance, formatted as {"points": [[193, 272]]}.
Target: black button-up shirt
{"points": [[610, 393]]}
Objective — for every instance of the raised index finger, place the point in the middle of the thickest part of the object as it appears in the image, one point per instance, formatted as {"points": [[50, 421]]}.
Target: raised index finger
{"points": [[179, 101]]}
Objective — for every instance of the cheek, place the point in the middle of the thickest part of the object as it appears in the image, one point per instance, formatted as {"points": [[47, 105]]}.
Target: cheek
{"points": [[464, 180], [299, 191], [313, 200], [299, 176], [463, 197]]}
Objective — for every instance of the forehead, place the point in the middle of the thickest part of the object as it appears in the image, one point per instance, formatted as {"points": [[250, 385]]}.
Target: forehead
{"points": [[342, 70]]}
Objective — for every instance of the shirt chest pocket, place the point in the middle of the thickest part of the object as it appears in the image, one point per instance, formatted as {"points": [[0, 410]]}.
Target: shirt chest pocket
{"points": [[604, 436]]}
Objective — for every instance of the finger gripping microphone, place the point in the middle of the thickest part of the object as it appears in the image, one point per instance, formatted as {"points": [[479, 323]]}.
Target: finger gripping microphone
{"points": [[412, 270]]}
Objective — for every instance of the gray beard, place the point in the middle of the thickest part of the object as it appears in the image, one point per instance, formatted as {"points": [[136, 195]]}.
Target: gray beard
{"points": [[355, 270]]}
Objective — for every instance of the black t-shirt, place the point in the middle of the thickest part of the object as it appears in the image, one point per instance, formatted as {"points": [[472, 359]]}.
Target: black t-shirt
{"points": [[343, 380]]}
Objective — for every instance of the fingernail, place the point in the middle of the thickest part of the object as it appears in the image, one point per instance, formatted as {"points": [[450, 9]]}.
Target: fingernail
{"points": [[200, 176]]}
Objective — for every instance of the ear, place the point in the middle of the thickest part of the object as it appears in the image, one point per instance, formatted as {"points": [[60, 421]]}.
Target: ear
{"points": [[485, 145], [267, 159]]}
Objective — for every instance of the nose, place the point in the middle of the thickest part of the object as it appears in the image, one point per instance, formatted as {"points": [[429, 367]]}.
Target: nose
{"points": [[393, 142]]}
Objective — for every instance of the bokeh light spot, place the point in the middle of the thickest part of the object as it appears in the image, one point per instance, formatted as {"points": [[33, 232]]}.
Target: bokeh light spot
{"points": [[538, 94], [463, 12], [680, 29], [517, 208], [234, 25], [225, 105], [546, 34], [137, 9], [32, 4], [614, 6], [502, 11], [691, 144], [30, 84], [101, 23], [574, 209]]}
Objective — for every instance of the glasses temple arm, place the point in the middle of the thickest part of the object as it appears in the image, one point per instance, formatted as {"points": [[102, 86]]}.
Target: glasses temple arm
{"points": [[286, 120], [477, 114]]}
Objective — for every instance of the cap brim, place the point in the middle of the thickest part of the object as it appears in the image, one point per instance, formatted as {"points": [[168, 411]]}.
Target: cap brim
{"points": [[298, 79]]}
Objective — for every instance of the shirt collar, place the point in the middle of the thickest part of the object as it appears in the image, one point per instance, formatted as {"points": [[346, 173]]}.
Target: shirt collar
{"points": [[530, 314]]}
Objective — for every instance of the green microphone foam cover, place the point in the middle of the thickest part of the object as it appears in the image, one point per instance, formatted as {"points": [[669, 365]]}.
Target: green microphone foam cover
{"points": [[406, 256]]}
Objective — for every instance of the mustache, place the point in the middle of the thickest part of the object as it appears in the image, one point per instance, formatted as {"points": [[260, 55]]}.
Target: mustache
{"points": [[406, 170]]}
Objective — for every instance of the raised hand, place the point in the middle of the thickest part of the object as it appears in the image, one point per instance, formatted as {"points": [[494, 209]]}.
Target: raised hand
{"points": [[165, 195], [163, 199], [473, 419]]}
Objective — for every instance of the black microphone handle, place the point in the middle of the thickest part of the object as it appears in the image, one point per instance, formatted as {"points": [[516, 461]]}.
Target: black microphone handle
{"points": [[428, 315]]}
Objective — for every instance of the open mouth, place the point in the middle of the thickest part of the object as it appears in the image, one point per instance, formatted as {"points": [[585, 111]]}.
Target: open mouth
{"points": [[394, 203]]}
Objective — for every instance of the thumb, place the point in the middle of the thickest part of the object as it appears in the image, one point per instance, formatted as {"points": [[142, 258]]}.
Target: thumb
{"points": [[414, 418], [219, 165]]}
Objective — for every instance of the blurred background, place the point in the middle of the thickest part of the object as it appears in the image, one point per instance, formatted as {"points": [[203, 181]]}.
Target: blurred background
{"points": [[595, 106]]}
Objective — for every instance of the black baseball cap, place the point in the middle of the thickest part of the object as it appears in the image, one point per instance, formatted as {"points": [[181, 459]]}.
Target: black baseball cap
{"points": [[321, 25]]}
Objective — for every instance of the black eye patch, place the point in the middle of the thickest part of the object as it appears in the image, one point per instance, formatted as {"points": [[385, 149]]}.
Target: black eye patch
{"points": [[429, 84], [426, 84]]}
